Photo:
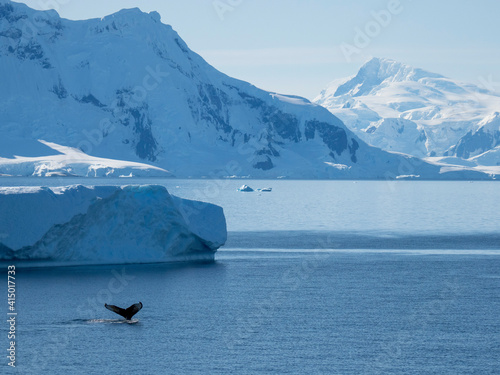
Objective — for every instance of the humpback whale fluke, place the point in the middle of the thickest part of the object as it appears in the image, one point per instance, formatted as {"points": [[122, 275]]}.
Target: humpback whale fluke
{"points": [[127, 313]]}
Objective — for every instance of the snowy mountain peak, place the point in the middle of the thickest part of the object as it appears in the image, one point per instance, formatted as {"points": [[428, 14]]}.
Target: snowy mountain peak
{"points": [[492, 118], [134, 15], [11, 10], [377, 72], [437, 111], [17, 14]]}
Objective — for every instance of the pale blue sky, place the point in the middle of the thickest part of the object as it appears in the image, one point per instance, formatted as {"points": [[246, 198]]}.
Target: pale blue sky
{"points": [[294, 46]]}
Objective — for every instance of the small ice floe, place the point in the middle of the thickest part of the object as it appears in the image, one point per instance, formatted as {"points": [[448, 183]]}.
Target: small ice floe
{"points": [[245, 188], [265, 190]]}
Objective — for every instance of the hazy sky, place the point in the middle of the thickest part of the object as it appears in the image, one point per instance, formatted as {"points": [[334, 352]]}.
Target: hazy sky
{"points": [[298, 46]]}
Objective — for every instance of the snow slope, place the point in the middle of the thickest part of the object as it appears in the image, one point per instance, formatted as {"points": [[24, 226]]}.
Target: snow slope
{"points": [[127, 87], [56, 160], [483, 163], [490, 157], [107, 224], [399, 108], [482, 138]]}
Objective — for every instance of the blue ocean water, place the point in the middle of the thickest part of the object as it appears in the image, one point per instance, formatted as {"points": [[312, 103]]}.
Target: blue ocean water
{"points": [[317, 277]]}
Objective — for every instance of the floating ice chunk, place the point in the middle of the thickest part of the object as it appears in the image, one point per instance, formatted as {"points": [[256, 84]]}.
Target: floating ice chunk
{"points": [[111, 224], [245, 188]]}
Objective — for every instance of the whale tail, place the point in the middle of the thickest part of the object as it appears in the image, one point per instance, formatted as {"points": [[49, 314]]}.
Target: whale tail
{"points": [[127, 313]]}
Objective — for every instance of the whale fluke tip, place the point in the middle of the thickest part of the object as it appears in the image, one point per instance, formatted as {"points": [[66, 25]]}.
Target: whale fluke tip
{"points": [[127, 313]]}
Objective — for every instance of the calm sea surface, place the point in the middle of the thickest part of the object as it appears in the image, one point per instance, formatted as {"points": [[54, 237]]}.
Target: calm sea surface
{"points": [[317, 277]]}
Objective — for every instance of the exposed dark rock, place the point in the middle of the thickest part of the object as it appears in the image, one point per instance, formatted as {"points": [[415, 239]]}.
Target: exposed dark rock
{"points": [[333, 136], [60, 90], [283, 124], [211, 107], [352, 150], [479, 141], [90, 99], [265, 165]]}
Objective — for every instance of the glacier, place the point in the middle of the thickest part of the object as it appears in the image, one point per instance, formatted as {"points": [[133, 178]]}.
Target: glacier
{"points": [[127, 87], [21, 157], [107, 225]]}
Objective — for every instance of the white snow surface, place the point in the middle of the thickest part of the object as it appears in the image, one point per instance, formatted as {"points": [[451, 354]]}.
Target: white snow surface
{"points": [[488, 158], [127, 87], [108, 224], [400, 108], [57, 160], [480, 140]]}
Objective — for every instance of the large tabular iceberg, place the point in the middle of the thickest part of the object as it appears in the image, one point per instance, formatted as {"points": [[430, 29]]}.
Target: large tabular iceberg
{"points": [[107, 224]]}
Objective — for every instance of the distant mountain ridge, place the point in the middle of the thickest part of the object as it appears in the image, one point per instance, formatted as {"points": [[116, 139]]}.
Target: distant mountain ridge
{"points": [[375, 72], [127, 87], [400, 108]]}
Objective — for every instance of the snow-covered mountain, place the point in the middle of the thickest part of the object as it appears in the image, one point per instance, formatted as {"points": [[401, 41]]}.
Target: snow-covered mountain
{"points": [[399, 108], [483, 138], [127, 87]]}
